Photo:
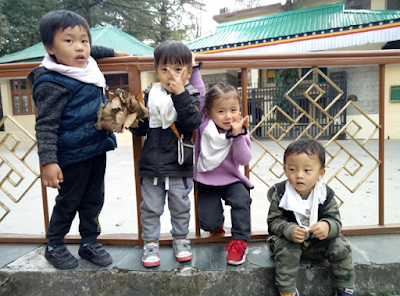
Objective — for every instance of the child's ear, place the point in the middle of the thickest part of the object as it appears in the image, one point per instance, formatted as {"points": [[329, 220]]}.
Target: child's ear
{"points": [[207, 113], [189, 72], [49, 49], [321, 174]]}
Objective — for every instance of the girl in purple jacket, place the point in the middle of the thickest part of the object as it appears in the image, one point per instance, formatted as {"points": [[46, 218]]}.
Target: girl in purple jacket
{"points": [[222, 144]]}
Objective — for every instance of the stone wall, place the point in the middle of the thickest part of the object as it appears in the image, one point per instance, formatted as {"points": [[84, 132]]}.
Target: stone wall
{"points": [[211, 79], [364, 83]]}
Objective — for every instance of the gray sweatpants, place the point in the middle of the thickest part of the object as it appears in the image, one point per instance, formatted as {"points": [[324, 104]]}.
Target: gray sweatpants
{"points": [[153, 204]]}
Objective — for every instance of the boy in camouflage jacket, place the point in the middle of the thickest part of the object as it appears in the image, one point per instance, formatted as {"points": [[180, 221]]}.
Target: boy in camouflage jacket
{"points": [[304, 220]]}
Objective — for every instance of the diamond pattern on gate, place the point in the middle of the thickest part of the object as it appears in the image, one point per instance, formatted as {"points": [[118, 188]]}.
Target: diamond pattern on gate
{"points": [[285, 128], [11, 143]]}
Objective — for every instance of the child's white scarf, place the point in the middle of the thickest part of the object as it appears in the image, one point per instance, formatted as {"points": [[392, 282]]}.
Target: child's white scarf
{"points": [[214, 148], [292, 201], [90, 74], [162, 112]]}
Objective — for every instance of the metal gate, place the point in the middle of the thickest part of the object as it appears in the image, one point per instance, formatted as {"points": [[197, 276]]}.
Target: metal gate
{"points": [[307, 96]]}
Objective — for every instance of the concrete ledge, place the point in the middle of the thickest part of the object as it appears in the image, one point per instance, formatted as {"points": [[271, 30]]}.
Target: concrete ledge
{"points": [[377, 263]]}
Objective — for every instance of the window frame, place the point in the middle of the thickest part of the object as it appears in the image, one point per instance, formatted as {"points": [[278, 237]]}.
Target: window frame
{"points": [[121, 83], [394, 89], [22, 92]]}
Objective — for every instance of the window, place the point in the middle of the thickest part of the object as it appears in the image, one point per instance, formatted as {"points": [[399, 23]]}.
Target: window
{"points": [[393, 4], [270, 76], [304, 71], [117, 81], [21, 93], [358, 4], [395, 93]]}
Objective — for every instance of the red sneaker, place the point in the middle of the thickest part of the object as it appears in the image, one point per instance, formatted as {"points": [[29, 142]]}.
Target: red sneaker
{"points": [[221, 230], [237, 250]]}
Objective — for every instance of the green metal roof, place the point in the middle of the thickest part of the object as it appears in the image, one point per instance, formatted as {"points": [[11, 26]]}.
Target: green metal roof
{"points": [[108, 36], [291, 23]]}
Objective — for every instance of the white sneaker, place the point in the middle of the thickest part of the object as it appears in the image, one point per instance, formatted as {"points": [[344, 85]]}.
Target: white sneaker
{"points": [[151, 257], [182, 249]]}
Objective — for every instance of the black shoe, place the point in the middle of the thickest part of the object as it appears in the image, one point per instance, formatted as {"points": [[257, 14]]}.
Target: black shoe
{"points": [[96, 254], [61, 258]]}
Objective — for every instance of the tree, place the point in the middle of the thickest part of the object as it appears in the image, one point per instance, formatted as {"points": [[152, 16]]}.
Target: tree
{"points": [[172, 19], [23, 17], [4, 29], [245, 4], [284, 78], [157, 20]]}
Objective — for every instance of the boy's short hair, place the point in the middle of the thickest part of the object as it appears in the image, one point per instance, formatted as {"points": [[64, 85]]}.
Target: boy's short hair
{"points": [[173, 52], [309, 147], [52, 21]]}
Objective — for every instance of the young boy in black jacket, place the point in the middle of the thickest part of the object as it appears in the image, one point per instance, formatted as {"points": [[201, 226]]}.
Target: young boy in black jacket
{"points": [[68, 91], [166, 163]]}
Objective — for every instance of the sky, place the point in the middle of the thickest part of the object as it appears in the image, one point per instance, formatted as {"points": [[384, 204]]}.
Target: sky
{"points": [[212, 8]]}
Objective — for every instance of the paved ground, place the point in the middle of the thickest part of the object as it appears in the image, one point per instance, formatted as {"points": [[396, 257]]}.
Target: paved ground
{"points": [[376, 257], [119, 212]]}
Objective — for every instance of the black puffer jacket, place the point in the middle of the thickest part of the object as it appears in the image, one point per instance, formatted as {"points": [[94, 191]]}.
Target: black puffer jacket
{"points": [[160, 151]]}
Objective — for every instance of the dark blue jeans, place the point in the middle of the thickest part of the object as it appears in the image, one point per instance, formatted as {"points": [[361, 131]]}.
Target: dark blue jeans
{"points": [[211, 212]]}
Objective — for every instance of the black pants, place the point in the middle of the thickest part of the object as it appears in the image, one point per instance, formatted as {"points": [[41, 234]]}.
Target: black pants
{"points": [[210, 208], [82, 191]]}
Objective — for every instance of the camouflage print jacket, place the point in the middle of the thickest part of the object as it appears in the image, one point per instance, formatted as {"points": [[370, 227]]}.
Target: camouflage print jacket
{"points": [[282, 223]]}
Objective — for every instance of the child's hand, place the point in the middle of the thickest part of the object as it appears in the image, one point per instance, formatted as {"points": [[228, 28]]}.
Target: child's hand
{"points": [[121, 53], [237, 126], [52, 175], [320, 230], [176, 85], [299, 234]]}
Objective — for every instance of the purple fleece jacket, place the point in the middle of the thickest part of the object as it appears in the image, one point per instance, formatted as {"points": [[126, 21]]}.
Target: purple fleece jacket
{"points": [[240, 154]]}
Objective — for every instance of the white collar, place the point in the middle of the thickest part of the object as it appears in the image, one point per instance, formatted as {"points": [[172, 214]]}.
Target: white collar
{"points": [[214, 147], [292, 201], [162, 112], [90, 74]]}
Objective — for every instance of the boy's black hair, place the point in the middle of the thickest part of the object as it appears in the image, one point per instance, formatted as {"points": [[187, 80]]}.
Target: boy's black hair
{"points": [[60, 19], [173, 52], [309, 147]]}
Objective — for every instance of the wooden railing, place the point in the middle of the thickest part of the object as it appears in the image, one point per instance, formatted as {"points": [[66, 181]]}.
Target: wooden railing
{"points": [[135, 65]]}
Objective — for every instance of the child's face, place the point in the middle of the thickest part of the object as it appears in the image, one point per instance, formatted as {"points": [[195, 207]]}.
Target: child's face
{"points": [[303, 172], [223, 112], [165, 77], [71, 47]]}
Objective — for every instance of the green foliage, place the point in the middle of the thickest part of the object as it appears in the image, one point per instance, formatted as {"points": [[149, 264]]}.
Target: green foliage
{"points": [[284, 77], [23, 17], [170, 17], [3, 282], [4, 29], [245, 4], [155, 20]]}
